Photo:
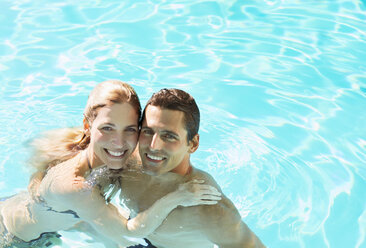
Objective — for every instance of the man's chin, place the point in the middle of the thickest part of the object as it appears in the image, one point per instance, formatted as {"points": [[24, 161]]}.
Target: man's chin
{"points": [[150, 170]]}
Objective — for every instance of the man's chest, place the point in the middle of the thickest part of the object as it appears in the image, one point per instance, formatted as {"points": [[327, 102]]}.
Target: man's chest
{"points": [[139, 196]]}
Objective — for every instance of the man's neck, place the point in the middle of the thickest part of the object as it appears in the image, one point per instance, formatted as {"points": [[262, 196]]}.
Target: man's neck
{"points": [[183, 170], [174, 176]]}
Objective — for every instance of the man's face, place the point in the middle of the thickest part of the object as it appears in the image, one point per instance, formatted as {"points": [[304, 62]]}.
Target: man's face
{"points": [[163, 142]]}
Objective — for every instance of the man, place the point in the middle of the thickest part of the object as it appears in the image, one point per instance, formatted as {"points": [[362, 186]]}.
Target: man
{"points": [[169, 135]]}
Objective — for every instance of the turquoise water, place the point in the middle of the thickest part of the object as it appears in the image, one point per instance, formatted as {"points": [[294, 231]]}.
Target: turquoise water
{"points": [[281, 86]]}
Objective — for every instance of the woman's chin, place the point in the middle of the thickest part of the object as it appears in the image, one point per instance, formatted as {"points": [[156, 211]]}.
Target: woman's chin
{"points": [[115, 167], [116, 163]]}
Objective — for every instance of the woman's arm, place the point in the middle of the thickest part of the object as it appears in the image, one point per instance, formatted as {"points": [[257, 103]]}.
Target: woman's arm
{"points": [[189, 194], [106, 219]]}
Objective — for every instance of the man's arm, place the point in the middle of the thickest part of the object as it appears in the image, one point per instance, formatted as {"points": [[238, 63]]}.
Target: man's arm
{"points": [[224, 227]]}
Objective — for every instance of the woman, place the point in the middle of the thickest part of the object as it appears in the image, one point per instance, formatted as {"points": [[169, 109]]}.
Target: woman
{"points": [[66, 192]]}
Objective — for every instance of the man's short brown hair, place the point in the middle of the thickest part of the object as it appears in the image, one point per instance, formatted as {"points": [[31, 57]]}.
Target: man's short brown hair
{"points": [[175, 99]]}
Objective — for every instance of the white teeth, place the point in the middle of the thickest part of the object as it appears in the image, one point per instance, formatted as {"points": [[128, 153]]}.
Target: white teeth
{"points": [[116, 154], [154, 157]]}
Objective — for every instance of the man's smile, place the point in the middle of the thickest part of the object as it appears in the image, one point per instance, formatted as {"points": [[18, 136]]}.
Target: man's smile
{"points": [[154, 158]]}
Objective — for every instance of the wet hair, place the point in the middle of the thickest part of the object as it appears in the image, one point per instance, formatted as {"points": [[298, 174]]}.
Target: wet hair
{"points": [[56, 146], [175, 99], [108, 93]]}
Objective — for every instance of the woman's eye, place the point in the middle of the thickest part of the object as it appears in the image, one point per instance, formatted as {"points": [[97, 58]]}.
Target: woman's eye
{"points": [[106, 129], [131, 129]]}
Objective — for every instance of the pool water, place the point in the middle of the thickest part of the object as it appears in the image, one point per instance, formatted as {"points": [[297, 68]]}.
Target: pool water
{"points": [[281, 86]]}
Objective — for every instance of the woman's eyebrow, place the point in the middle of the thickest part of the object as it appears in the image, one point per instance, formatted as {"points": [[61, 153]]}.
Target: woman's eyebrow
{"points": [[108, 123]]}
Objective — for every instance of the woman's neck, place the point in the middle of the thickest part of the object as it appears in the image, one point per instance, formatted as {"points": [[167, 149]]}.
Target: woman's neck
{"points": [[84, 164], [92, 161]]}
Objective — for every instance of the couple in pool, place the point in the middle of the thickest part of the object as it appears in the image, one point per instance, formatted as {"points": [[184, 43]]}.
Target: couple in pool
{"points": [[172, 204]]}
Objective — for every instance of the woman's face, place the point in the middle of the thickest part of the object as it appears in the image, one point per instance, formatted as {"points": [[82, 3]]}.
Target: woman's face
{"points": [[113, 135]]}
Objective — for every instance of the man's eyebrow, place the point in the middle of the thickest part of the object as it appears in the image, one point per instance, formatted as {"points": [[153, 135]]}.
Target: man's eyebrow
{"points": [[165, 131], [170, 132]]}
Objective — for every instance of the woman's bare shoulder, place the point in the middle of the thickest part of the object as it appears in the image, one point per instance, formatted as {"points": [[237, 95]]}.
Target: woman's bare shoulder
{"points": [[61, 181]]}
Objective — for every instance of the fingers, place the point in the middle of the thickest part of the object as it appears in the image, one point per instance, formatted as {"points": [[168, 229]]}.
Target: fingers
{"points": [[197, 181], [206, 188], [208, 192], [196, 185], [204, 202], [195, 192], [209, 197], [196, 202]]}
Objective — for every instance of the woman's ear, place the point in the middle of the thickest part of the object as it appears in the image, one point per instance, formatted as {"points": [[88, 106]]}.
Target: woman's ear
{"points": [[86, 127], [194, 143]]}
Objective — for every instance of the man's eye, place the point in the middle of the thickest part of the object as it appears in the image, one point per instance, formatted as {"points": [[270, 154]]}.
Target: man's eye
{"points": [[168, 137], [147, 132]]}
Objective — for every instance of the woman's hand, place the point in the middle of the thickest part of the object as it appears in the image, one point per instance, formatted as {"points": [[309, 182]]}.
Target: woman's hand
{"points": [[195, 192]]}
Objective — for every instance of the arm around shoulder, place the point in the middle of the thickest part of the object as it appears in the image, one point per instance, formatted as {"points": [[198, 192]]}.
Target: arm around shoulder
{"points": [[92, 208], [106, 219]]}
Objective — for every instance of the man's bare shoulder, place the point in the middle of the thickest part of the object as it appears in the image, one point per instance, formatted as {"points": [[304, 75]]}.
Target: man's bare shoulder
{"points": [[223, 210], [222, 217], [200, 174]]}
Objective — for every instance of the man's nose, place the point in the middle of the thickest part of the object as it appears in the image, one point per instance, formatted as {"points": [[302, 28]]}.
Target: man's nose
{"points": [[156, 142]]}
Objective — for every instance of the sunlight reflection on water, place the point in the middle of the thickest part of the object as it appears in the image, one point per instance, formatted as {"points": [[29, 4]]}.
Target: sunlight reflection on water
{"points": [[280, 85]]}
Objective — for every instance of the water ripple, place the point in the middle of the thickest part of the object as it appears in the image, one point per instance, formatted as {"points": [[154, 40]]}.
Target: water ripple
{"points": [[280, 84]]}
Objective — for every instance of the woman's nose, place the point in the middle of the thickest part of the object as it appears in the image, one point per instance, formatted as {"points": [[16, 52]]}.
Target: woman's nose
{"points": [[118, 141]]}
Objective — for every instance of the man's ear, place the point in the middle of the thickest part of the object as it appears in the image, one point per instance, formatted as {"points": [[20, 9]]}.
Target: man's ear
{"points": [[86, 127], [194, 143]]}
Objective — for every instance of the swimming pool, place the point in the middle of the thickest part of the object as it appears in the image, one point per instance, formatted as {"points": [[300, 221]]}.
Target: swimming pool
{"points": [[281, 86]]}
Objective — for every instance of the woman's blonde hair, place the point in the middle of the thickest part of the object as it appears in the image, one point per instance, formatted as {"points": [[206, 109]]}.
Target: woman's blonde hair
{"points": [[56, 146]]}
